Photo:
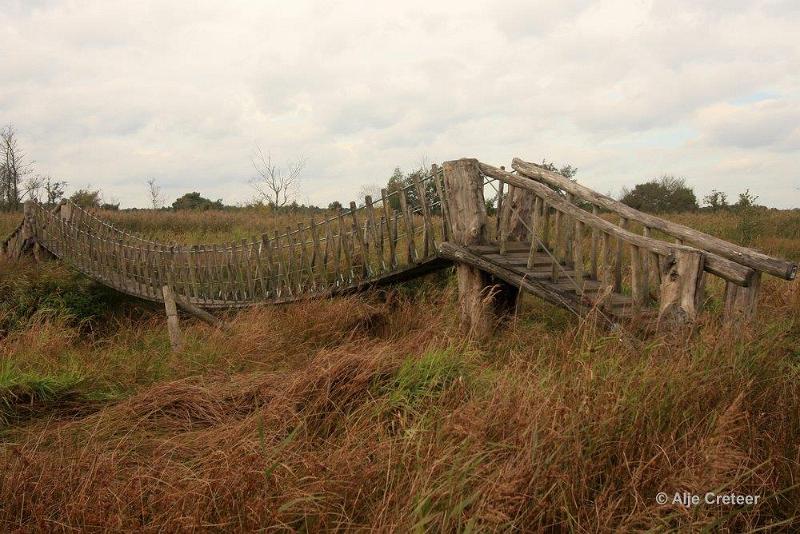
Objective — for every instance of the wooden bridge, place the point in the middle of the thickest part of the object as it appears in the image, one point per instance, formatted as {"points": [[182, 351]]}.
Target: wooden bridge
{"points": [[550, 237]]}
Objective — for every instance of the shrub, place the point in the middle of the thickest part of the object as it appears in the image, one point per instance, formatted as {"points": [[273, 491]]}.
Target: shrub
{"points": [[664, 195]]}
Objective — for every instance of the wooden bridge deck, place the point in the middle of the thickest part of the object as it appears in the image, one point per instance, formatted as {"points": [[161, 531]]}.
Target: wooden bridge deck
{"points": [[547, 239]]}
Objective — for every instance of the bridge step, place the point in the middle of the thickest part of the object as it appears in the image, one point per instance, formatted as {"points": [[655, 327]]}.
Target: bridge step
{"points": [[516, 259]]}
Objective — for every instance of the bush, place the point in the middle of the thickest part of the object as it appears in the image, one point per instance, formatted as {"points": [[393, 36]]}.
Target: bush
{"points": [[664, 195]]}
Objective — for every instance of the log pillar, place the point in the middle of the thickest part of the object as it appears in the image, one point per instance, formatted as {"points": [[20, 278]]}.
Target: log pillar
{"points": [[681, 287], [740, 302], [482, 300]]}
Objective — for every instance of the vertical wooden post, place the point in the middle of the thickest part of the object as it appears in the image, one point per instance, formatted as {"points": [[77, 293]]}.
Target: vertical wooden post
{"points": [[481, 299], [740, 302], [172, 319], [681, 287]]}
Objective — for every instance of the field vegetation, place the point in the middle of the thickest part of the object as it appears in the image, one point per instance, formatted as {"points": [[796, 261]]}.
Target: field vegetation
{"points": [[374, 412]]}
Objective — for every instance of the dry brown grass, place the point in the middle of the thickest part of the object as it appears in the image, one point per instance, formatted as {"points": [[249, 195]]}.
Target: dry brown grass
{"points": [[349, 415], [373, 413]]}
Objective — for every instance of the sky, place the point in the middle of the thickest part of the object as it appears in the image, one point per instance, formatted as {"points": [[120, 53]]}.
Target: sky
{"points": [[108, 94]]}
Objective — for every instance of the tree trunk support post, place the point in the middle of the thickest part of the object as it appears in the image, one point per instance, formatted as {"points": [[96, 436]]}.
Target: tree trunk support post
{"points": [[681, 287], [740, 302], [172, 319], [482, 299]]}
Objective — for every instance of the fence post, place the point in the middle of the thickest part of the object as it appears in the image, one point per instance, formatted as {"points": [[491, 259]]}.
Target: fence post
{"points": [[482, 299], [172, 319], [740, 302], [681, 287]]}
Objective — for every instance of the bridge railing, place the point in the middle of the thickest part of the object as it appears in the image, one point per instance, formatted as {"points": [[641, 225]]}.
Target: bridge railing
{"points": [[740, 294], [593, 249], [381, 238]]}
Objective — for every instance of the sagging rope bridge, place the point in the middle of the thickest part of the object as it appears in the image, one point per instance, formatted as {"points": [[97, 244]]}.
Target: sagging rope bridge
{"points": [[551, 237]]}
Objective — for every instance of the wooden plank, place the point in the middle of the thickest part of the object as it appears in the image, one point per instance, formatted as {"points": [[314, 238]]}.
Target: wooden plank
{"points": [[499, 213], [577, 255], [638, 278], [505, 220], [536, 231], [408, 221], [623, 223], [373, 232], [428, 243], [316, 258], [438, 183], [347, 267], [594, 247], [358, 237], [392, 249]]}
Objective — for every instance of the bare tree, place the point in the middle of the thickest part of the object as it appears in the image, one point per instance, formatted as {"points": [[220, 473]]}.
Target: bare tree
{"points": [[14, 168], [154, 190], [371, 190], [276, 185], [32, 187], [54, 190]]}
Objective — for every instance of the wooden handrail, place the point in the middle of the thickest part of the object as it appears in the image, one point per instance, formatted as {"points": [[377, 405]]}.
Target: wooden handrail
{"points": [[742, 255], [719, 266]]}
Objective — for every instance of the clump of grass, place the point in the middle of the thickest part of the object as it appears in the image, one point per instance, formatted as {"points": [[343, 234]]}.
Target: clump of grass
{"points": [[24, 393]]}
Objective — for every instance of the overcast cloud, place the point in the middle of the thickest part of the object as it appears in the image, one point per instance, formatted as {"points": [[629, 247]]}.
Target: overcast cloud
{"points": [[110, 93]]}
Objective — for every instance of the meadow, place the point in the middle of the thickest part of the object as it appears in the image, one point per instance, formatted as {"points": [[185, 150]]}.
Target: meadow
{"points": [[372, 412]]}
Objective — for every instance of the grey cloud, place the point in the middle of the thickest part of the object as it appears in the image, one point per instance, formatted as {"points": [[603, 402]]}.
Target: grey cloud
{"points": [[114, 92]]}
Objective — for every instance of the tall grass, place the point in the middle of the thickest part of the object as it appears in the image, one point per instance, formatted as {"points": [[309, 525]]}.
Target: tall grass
{"points": [[374, 413]]}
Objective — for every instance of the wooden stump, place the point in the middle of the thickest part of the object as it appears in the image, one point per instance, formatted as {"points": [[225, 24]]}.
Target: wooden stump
{"points": [[482, 301], [681, 287]]}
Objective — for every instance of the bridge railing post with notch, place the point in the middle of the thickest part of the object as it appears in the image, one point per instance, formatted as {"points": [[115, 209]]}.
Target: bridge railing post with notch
{"points": [[482, 300]]}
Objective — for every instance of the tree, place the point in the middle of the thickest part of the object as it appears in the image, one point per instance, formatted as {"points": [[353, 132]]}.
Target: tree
{"points": [[87, 198], [154, 192], [13, 168], [335, 205], [276, 185], [194, 201], [54, 190], [716, 200], [746, 200], [369, 190], [663, 195]]}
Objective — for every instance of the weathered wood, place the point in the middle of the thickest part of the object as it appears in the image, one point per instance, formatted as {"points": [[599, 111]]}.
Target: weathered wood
{"points": [[740, 302], [173, 328], [199, 313], [505, 221], [638, 278], [499, 213], [722, 267], [742, 255], [358, 235], [428, 244], [681, 280], [651, 264], [482, 301], [577, 255], [408, 222], [440, 191], [392, 241], [593, 251], [536, 231], [344, 249], [623, 223]]}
